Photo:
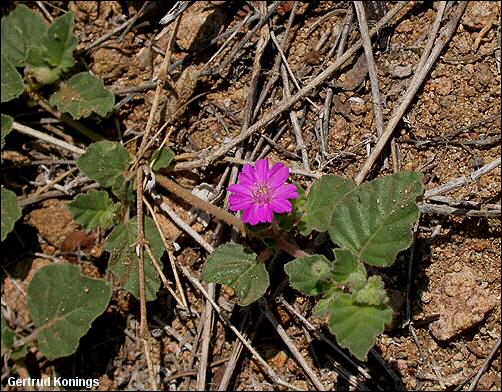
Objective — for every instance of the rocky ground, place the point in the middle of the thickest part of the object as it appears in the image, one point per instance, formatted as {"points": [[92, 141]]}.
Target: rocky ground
{"points": [[445, 289]]}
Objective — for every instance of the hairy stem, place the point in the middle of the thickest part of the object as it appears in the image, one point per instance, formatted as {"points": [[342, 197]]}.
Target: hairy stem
{"points": [[221, 214]]}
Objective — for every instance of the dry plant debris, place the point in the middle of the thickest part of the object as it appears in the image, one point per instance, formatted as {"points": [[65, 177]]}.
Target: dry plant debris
{"points": [[216, 89]]}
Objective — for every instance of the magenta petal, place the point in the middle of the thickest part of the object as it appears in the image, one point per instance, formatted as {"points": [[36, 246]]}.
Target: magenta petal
{"points": [[246, 181], [286, 191], [262, 171], [239, 188], [249, 172], [237, 202], [264, 213], [250, 215], [281, 205], [247, 177], [278, 175], [267, 213]]}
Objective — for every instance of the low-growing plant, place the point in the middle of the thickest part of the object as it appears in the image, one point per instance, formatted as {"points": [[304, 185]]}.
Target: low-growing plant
{"points": [[45, 54], [36, 55], [369, 224]]}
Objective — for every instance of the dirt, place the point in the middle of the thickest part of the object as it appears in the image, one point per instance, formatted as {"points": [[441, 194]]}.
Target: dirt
{"points": [[451, 128]]}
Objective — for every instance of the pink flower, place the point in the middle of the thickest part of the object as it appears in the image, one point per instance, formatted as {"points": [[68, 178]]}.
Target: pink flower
{"points": [[262, 191]]}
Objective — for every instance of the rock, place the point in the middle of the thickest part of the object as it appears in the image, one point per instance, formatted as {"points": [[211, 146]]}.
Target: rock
{"points": [[478, 13], [486, 381], [461, 304], [480, 245], [53, 221], [405, 26], [484, 75], [444, 86], [464, 43], [353, 78], [475, 348], [198, 26], [401, 71], [279, 360], [109, 64], [357, 106]]}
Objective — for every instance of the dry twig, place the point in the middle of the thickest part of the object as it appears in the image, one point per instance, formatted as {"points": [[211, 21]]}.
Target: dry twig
{"points": [[47, 138], [140, 246], [272, 374], [415, 84], [294, 122], [291, 346], [372, 68], [287, 103], [485, 365], [463, 181]]}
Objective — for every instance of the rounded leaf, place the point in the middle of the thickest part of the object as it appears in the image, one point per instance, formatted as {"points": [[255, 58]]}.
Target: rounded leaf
{"points": [[22, 31], [93, 209], [12, 82], [162, 158], [10, 211], [59, 43], [63, 304], [309, 273], [104, 162], [83, 95], [7, 122], [237, 267], [124, 262], [345, 265], [373, 292], [356, 325], [324, 197], [374, 221]]}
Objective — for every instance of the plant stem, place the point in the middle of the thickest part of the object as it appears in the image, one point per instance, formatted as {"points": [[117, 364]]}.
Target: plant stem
{"points": [[186, 195], [221, 214], [290, 248]]}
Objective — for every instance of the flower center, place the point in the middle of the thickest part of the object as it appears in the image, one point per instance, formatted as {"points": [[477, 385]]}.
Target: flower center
{"points": [[261, 193]]}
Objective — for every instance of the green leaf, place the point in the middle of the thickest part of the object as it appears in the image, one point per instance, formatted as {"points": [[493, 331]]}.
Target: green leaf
{"points": [[237, 267], [126, 194], [355, 325], [356, 281], [373, 292], [162, 158], [125, 263], [7, 122], [10, 212], [288, 221], [12, 82], [63, 304], [104, 162], [93, 209], [324, 197], [345, 265], [8, 338], [43, 75], [46, 62], [374, 221], [83, 95], [7, 333], [19, 353], [321, 310], [22, 32], [59, 43], [309, 274]]}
